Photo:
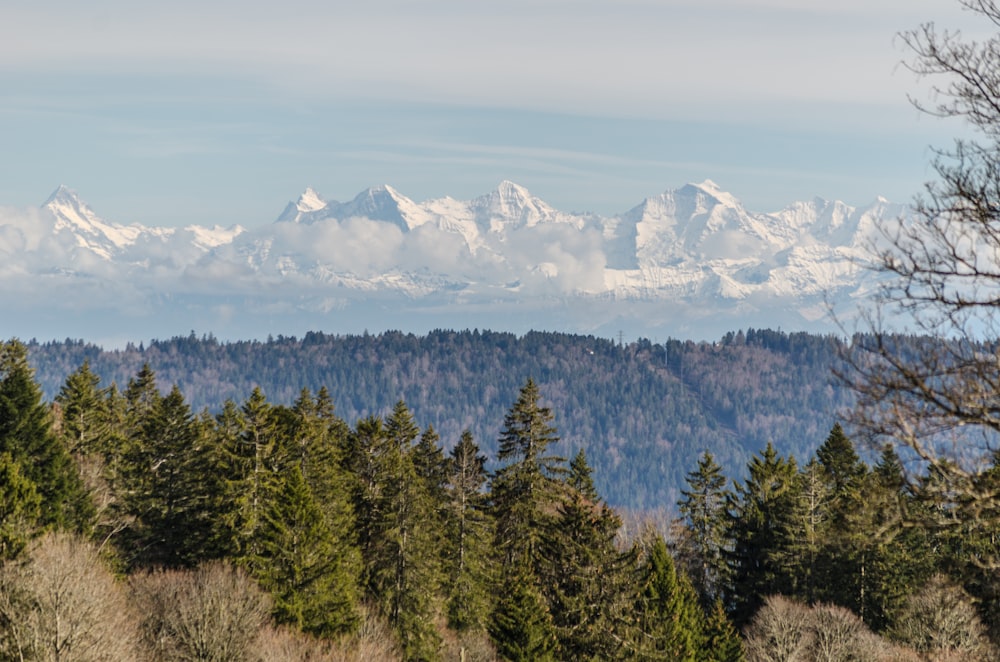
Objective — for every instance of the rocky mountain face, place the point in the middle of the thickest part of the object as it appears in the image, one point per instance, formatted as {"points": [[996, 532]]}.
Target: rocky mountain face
{"points": [[687, 262]]}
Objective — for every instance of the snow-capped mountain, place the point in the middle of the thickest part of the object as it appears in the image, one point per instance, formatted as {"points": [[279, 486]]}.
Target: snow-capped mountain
{"points": [[681, 261]]}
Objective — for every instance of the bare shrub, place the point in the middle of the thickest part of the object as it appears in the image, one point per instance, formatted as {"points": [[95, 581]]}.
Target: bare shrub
{"points": [[779, 632], [838, 635], [282, 644], [373, 642], [63, 604], [940, 622], [212, 614], [787, 631]]}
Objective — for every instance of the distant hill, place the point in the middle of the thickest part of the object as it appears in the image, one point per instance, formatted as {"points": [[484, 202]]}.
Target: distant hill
{"points": [[643, 411]]}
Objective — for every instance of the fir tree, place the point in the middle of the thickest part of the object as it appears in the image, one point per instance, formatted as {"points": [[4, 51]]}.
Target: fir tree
{"points": [[299, 563], [720, 640], [174, 489], [83, 417], [526, 489]]}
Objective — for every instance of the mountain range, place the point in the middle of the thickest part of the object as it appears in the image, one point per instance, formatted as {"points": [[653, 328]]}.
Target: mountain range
{"points": [[689, 262]]}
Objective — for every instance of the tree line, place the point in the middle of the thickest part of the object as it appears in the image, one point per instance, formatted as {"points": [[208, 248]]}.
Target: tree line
{"points": [[642, 411]]}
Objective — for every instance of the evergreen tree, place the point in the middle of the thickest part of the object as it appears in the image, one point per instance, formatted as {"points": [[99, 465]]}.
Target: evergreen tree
{"points": [[720, 640], [703, 509], [761, 515], [583, 574], [395, 526], [467, 527], [520, 625], [668, 617], [526, 489], [83, 417], [27, 437], [810, 537], [20, 507], [299, 563], [173, 489]]}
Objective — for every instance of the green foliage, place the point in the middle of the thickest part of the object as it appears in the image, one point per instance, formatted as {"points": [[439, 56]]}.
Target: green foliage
{"points": [[761, 525], [704, 538], [668, 616], [20, 507], [520, 625], [27, 438], [644, 412], [468, 532]]}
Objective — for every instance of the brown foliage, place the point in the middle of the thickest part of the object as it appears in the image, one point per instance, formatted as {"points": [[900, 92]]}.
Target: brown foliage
{"points": [[213, 614], [63, 604]]}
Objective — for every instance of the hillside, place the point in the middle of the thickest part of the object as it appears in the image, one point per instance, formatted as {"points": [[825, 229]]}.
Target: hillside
{"points": [[642, 411]]}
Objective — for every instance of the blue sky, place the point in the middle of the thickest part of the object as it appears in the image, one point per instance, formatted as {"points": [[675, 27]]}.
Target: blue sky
{"points": [[220, 112]]}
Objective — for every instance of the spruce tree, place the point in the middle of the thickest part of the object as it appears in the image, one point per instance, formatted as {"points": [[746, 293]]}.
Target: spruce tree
{"points": [[525, 492], [705, 541], [83, 417], [395, 529], [467, 538], [174, 489], [20, 507], [28, 438], [520, 625], [668, 618], [720, 640], [761, 521], [525, 489], [583, 575], [299, 562]]}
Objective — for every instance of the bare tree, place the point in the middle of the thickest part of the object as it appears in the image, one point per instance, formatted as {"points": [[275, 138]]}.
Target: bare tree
{"points": [[940, 622], [937, 396], [212, 614], [63, 605]]}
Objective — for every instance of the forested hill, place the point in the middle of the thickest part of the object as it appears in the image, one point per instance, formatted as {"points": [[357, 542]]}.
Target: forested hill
{"points": [[643, 412]]}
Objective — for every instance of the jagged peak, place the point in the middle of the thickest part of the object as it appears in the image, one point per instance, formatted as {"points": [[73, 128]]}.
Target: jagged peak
{"points": [[63, 194], [311, 200]]}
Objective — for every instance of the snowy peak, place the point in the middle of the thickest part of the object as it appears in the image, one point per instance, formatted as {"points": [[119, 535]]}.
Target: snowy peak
{"points": [[304, 210], [511, 205], [73, 216]]}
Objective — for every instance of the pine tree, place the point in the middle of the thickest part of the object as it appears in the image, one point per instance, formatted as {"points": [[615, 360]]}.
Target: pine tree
{"points": [[704, 513], [28, 438]]}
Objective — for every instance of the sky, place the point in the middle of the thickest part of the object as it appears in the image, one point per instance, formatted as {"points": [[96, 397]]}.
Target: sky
{"points": [[220, 112]]}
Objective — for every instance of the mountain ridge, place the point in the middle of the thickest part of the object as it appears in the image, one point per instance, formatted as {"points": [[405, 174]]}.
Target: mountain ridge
{"points": [[670, 264]]}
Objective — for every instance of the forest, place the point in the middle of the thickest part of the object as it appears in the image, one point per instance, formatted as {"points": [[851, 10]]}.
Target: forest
{"points": [[134, 528], [643, 411]]}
